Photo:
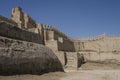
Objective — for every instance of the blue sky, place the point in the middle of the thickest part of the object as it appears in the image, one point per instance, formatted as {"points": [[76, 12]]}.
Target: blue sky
{"points": [[76, 18]]}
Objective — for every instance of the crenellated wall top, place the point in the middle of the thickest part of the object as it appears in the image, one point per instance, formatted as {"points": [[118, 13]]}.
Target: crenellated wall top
{"points": [[51, 28]]}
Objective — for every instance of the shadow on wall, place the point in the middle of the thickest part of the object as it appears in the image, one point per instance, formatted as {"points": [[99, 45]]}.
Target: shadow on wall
{"points": [[81, 59], [20, 57], [65, 56], [67, 45], [13, 32]]}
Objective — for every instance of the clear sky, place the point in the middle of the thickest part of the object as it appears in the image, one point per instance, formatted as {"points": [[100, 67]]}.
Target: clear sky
{"points": [[76, 18]]}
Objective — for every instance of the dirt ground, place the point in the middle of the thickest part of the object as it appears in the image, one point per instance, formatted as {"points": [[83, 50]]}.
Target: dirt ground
{"points": [[74, 75], [100, 66], [93, 72]]}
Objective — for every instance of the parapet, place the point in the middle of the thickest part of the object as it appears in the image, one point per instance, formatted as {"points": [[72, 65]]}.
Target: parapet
{"points": [[29, 22], [14, 32], [100, 37], [56, 31], [8, 21]]}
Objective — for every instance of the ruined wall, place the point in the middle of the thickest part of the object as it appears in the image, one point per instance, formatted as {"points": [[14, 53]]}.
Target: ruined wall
{"points": [[72, 60], [99, 49], [40, 31], [78, 45], [21, 57], [106, 44], [102, 49], [16, 33], [8, 21], [105, 57], [66, 45], [24, 21], [62, 57], [63, 42], [18, 16], [52, 45], [101, 43], [69, 60], [29, 22]]}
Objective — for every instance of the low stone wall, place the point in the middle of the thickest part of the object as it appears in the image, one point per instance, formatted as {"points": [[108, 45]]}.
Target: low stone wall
{"points": [[20, 57], [10, 31], [106, 57]]}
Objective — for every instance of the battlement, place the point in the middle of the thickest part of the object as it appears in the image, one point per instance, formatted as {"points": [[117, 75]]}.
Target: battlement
{"points": [[99, 37], [56, 31], [29, 22], [23, 27]]}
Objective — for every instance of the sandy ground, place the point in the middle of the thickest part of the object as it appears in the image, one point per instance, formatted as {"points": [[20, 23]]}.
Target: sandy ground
{"points": [[93, 75], [100, 66], [93, 72], [74, 75]]}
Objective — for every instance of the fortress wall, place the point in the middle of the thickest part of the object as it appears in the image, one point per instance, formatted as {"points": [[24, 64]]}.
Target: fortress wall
{"points": [[62, 57], [21, 57], [112, 57], [58, 46], [18, 16], [9, 21], [105, 49], [29, 22], [58, 34], [67, 45], [78, 45], [101, 44], [52, 45], [54, 35], [74, 60], [107, 44], [64, 43], [41, 31], [10, 31], [91, 46]]}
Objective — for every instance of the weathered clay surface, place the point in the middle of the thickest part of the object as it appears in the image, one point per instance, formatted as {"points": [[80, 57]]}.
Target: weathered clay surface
{"points": [[20, 57]]}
